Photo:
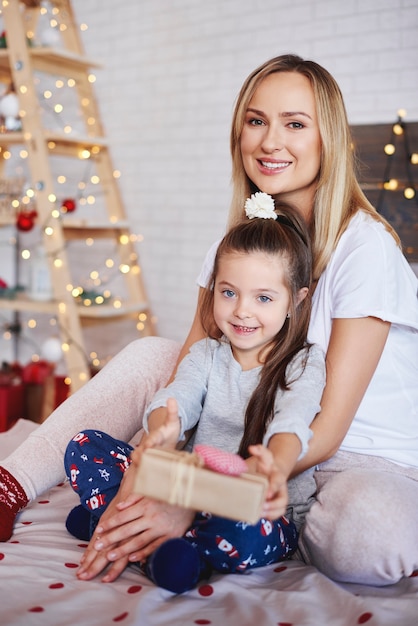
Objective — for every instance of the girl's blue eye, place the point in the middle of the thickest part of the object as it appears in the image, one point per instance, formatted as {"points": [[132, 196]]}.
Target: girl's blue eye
{"points": [[264, 299], [228, 293]]}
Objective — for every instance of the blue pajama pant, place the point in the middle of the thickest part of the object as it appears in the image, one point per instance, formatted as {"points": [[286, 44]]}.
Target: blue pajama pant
{"points": [[95, 464]]}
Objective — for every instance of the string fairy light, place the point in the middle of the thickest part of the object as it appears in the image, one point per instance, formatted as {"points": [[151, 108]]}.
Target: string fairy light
{"points": [[399, 130]]}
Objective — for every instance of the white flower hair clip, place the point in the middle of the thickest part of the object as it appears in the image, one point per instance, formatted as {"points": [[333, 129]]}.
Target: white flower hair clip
{"points": [[260, 205]]}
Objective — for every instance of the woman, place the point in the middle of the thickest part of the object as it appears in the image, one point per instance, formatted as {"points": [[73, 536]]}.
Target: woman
{"points": [[290, 138]]}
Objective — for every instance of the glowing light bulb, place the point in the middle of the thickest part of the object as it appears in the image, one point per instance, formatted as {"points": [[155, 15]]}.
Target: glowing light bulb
{"points": [[391, 184]]}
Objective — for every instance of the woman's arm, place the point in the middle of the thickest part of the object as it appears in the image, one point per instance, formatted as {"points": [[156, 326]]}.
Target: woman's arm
{"points": [[354, 350], [196, 333]]}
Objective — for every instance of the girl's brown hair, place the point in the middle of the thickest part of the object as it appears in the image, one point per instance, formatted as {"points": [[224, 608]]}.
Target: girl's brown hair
{"points": [[338, 196], [287, 238]]}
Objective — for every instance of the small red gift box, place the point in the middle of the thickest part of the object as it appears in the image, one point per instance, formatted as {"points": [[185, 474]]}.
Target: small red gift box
{"points": [[38, 377], [12, 402]]}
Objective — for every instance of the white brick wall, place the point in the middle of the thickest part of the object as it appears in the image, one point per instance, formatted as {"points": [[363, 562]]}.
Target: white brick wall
{"points": [[171, 72]]}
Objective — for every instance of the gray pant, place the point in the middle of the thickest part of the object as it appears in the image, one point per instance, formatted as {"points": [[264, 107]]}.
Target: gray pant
{"points": [[363, 527]]}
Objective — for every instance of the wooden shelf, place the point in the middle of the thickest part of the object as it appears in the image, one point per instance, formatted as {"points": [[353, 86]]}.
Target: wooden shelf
{"points": [[106, 230], [57, 143], [109, 311], [49, 60], [22, 302]]}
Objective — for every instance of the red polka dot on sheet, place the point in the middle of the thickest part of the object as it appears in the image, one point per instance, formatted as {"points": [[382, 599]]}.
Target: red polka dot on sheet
{"points": [[2, 556], [43, 501], [27, 523], [121, 617], [284, 624], [37, 609], [364, 618], [82, 545], [202, 621], [14, 541], [71, 565], [414, 574], [281, 568], [206, 590], [134, 589], [56, 586]]}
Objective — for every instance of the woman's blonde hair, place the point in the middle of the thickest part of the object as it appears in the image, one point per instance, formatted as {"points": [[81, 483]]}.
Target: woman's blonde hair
{"points": [[338, 196]]}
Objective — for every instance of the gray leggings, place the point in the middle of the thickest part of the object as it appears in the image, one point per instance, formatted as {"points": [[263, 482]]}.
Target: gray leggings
{"points": [[113, 401], [363, 527]]}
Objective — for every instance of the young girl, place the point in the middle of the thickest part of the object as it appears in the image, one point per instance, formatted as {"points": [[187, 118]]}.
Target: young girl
{"points": [[256, 363]]}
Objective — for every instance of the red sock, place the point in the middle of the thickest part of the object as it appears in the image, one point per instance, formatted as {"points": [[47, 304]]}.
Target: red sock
{"points": [[12, 500]]}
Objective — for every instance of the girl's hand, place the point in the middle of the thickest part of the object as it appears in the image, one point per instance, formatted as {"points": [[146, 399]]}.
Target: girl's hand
{"points": [[277, 496], [166, 435]]}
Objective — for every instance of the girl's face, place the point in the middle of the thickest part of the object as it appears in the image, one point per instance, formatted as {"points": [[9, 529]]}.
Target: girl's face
{"points": [[280, 140], [251, 301]]}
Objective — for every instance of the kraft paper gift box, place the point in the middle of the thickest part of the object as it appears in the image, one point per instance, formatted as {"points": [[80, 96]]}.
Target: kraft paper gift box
{"points": [[178, 478]]}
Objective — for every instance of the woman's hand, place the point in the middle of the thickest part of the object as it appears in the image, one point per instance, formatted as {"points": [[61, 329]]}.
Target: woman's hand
{"points": [[277, 495], [130, 531], [133, 526]]}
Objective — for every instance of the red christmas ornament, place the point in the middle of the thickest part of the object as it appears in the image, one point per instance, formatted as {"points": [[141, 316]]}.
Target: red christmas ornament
{"points": [[68, 205], [26, 220]]}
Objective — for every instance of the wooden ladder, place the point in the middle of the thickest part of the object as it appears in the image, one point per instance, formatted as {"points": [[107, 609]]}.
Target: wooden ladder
{"points": [[25, 64]]}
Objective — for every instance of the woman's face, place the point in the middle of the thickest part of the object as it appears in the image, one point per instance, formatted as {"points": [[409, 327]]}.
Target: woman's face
{"points": [[280, 140]]}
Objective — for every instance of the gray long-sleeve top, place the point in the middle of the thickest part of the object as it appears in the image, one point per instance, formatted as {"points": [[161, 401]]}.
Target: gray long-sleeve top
{"points": [[212, 392]]}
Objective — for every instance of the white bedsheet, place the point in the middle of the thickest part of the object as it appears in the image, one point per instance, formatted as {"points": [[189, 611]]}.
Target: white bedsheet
{"points": [[38, 585]]}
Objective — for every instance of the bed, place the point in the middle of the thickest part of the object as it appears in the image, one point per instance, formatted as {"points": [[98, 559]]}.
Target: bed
{"points": [[38, 585]]}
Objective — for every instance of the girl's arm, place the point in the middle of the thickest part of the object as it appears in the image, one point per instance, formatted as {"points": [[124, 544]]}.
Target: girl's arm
{"points": [[354, 350]]}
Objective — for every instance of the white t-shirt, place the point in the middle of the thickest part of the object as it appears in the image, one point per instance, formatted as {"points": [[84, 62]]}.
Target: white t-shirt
{"points": [[368, 276]]}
